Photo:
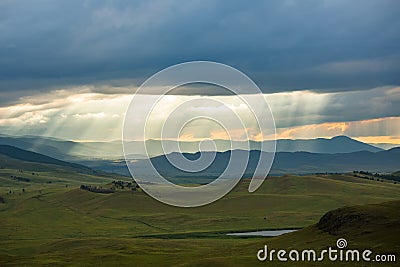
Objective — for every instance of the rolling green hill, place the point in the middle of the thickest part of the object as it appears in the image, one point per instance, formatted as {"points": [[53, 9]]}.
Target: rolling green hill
{"points": [[51, 224]]}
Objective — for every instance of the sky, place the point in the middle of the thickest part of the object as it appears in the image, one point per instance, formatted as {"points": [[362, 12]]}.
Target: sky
{"points": [[68, 69]]}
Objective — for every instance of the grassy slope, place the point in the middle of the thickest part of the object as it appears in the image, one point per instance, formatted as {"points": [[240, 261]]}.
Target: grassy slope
{"points": [[50, 223]]}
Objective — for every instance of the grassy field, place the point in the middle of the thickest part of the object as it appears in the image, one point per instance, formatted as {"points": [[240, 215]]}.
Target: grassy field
{"points": [[59, 224]]}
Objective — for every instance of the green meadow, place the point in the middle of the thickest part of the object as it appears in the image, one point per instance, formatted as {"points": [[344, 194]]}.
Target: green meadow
{"points": [[49, 221]]}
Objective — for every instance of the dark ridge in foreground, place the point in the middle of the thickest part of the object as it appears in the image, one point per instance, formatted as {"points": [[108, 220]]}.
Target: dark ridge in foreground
{"points": [[361, 219]]}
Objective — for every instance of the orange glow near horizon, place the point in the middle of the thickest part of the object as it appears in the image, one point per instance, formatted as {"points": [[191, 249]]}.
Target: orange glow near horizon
{"points": [[312, 131], [395, 140]]}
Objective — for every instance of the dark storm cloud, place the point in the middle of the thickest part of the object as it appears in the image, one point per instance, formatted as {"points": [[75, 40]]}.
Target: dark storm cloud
{"points": [[283, 45]]}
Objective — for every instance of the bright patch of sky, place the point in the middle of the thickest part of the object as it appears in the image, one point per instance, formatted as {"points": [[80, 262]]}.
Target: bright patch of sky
{"points": [[84, 114]]}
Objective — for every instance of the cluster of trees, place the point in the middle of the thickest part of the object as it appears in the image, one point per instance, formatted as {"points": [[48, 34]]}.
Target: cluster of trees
{"points": [[95, 189], [112, 188], [376, 176], [2, 199], [388, 177], [122, 185]]}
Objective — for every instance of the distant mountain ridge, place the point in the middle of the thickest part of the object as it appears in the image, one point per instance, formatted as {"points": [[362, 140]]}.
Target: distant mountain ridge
{"points": [[385, 146], [288, 162], [337, 144], [284, 162], [78, 151]]}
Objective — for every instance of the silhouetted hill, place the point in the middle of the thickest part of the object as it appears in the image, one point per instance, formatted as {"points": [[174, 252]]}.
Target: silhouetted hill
{"points": [[55, 148], [358, 219], [394, 150], [287, 162], [337, 144], [9, 152], [64, 149]]}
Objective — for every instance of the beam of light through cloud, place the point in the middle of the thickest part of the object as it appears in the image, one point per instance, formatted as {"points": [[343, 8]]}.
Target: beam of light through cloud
{"points": [[90, 113]]}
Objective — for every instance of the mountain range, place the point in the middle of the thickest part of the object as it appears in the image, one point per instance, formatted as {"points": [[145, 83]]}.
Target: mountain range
{"points": [[78, 151], [285, 162], [338, 154]]}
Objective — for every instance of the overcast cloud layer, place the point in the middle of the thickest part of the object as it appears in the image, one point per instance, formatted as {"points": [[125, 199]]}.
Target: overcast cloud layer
{"points": [[283, 45], [69, 68]]}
